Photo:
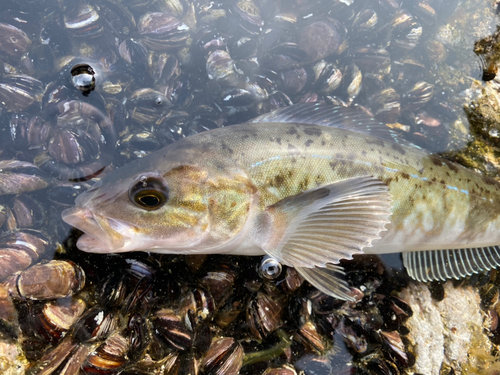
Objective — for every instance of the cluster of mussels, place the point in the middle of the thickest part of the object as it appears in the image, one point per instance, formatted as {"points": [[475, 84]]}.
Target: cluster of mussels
{"points": [[170, 315], [86, 86]]}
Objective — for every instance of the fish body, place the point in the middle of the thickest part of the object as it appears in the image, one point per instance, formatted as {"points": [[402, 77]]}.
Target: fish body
{"points": [[302, 192]]}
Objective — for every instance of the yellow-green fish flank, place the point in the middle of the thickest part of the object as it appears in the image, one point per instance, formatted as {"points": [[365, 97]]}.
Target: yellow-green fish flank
{"points": [[308, 185]]}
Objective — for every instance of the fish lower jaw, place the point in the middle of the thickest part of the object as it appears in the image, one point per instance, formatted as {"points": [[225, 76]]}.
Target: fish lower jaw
{"points": [[90, 244]]}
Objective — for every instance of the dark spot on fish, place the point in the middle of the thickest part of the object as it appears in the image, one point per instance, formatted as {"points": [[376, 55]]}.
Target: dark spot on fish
{"points": [[451, 165], [387, 180], [278, 140], [233, 204], [491, 181], [434, 179], [333, 165], [442, 182], [251, 131], [292, 131], [323, 143], [312, 130], [245, 136], [227, 148], [405, 175], [375, 141], [308, 142], [436, 160], [304, 184], [319, 180], [277, 181], [398, 148], [363, 153]]}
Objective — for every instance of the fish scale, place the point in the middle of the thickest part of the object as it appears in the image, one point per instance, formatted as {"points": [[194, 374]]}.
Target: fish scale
{"points": [[308, 195]]}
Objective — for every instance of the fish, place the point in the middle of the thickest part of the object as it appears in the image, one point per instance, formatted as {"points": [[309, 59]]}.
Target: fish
{"points": [[308, 185]]}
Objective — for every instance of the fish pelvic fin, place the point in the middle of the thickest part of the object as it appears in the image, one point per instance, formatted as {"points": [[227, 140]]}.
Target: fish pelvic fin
{"points": [[442, 265], [324, 225], [329, 280]]}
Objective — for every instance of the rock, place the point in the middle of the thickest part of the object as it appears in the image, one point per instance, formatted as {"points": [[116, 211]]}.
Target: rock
{"points": [[448, 333]]}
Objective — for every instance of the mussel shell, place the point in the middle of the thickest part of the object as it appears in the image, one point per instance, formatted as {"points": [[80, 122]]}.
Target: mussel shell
{"points": [[320, 38], [220, 282], [312, 338], [20, 249], [9, 326], [83, 20], [160, 31], [29, 131], [247, 16], [200, 302], [25, 212], [224, 357], [172, 330], [263, 315], [220, 67], [95, 325], [18, 92], [51, 280], [73, 146], [285, 56], [21, 177], [147, 106], [109, 358], [56, 318], [13, 41], [282, 370]]}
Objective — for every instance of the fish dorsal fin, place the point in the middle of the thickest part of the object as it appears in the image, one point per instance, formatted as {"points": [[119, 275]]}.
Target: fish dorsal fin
{"points": [[329, 280], [326, 224], [348, 118], [434, 265]]}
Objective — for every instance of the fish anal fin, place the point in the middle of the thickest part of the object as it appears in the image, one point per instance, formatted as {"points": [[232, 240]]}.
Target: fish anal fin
{"points": [[288, 230], [435, 265]]}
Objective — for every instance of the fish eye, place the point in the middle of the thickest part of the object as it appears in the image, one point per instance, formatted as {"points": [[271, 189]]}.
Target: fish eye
{"points": [[149, 192]]}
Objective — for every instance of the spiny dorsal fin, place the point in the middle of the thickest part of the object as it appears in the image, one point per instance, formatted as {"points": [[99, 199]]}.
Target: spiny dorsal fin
{"points": [[434, 265], [329, 280], [347, 118], [326, 224]]}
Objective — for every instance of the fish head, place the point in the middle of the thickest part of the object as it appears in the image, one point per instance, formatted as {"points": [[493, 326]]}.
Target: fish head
{"points": [[162, 203]]}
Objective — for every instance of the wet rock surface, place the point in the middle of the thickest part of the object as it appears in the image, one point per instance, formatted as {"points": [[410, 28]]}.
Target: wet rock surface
{"points": [[449, 333]]}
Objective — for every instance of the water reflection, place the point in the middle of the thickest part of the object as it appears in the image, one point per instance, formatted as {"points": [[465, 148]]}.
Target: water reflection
{"points": [[158, 71]]}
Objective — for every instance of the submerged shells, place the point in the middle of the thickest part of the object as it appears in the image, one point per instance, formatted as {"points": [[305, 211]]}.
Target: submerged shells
{"points": [[86, 87]]}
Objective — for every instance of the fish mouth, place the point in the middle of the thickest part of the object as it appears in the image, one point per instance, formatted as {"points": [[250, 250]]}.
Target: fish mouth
{"points": [[101, 234]]}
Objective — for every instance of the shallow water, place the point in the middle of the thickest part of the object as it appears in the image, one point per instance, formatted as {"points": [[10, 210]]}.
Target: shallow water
{"points": [[213, 65]]}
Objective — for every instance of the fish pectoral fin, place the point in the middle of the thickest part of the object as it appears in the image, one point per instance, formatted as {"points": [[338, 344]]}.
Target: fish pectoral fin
{"points": [[326, 224], [329, 280], [434, 265]]}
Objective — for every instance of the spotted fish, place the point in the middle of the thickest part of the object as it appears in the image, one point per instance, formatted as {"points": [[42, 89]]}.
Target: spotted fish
{"points": [[308, 185]]}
